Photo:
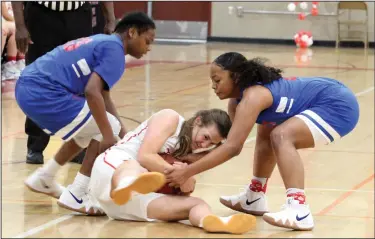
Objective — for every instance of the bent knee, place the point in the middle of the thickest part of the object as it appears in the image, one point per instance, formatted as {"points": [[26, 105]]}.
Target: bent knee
{"points": [[279, 135], [197, 201]]}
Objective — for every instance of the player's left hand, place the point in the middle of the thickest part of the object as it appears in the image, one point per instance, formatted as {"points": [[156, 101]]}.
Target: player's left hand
{"points": [[176, 175], [109, 27]]}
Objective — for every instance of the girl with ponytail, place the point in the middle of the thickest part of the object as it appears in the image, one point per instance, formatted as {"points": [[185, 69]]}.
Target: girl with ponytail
{"points": [[291, 114]]}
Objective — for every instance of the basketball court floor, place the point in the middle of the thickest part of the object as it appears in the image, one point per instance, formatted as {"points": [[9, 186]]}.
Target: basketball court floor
{"points": [[339, 177]]}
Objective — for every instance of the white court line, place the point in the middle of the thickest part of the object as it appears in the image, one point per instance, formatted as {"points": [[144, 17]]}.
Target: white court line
{"points": [[364, 91], [307, 189], [66, 217], [250, 139], [43, 227]]}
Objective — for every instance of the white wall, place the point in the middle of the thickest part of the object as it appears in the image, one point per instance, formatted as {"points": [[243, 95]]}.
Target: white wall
{"points": [[278, 26]]}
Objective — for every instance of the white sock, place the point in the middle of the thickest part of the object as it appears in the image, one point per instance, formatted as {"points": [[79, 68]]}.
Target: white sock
{"points": [[81, 182], [185, 222], [201, 222], [262, 180], [51, 167], [294, 190]]}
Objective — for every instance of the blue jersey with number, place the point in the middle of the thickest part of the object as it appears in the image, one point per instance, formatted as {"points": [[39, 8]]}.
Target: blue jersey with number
{"points": [[69, 66], [292, 96], [51, 89]]}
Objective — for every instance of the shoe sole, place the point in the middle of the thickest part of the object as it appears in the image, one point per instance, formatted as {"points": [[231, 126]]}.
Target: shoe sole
{"points": [[145, 183], [237, 207], [238, 224], [287, 224], [82, 210], [36, 191]]}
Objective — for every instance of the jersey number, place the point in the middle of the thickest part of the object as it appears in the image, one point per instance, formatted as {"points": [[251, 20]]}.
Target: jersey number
{"points": [[285, 105], [72, 45]]}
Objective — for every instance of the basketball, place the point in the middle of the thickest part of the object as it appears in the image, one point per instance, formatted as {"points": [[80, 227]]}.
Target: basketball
{"points": [[167, 189]]}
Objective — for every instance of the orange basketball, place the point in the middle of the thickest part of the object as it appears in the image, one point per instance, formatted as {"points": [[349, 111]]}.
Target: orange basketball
{"points": [[167, 189]]}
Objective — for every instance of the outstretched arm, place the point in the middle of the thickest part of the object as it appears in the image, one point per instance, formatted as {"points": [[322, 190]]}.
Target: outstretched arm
{"points": [[95, 100], [110, 107], [255, 99]]}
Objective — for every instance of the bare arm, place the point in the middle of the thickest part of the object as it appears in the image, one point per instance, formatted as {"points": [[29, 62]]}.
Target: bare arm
{"points": [[95, 100], [110, 107], [22, 34], [160, 127], [5, 13], [254, 101], [109, 16], [191, 158], [18, 13]]}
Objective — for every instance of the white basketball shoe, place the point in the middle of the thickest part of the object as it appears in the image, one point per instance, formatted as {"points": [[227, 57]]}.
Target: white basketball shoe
{"points": [[41, 182], [292, 216], [80, 201], [252, 201]]}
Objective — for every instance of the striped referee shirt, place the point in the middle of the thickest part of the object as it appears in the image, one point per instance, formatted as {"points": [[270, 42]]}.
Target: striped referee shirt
{"points": [[62, 5]]}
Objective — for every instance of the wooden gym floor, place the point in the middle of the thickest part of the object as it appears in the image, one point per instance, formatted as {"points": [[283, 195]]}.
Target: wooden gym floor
{"points": [[339, 177]]}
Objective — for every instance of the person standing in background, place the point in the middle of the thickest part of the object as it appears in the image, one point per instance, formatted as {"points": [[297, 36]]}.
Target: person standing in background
{"points": [[13, 62], [98, 20], [42, 26]]}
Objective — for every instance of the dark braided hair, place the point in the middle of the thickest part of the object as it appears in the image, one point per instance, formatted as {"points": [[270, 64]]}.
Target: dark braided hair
{"points": [[245, 72]]}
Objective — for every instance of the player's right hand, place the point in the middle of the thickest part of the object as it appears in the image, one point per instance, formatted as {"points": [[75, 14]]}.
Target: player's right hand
{"points": [[106, 143], [22, 39]]}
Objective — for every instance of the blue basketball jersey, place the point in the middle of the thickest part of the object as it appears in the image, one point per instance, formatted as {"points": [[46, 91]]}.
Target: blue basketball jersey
{"points": [[69, 66], [291, 96], [51, 90]]}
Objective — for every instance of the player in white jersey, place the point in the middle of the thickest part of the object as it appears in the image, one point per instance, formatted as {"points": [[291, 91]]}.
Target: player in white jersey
{"points": [[125, 177]]}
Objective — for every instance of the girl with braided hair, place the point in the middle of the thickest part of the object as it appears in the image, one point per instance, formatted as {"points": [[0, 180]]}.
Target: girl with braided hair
{"points": [[291, 114]]}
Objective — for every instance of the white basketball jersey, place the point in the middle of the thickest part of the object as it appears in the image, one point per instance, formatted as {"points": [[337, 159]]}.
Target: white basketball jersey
{"points": [[132, 141]]}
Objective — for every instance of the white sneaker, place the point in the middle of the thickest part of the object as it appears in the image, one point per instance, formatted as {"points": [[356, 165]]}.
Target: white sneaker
{"points": [[293, 216], [39, 182], [81, 202], [251, 202], [10, 71]]}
